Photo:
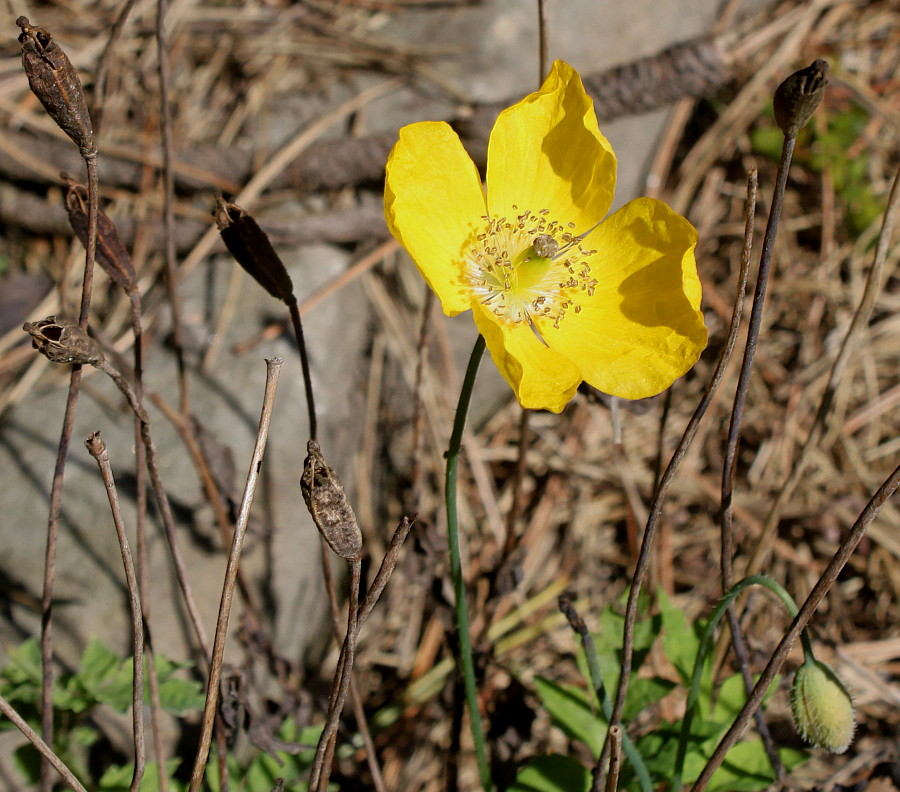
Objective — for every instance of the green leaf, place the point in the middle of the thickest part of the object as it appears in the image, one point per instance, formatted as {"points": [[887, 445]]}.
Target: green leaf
{"points": [[571, 709], [643, 693], [746, 768], [553, 773], [118, 777], [180, 696], [105, 676]]}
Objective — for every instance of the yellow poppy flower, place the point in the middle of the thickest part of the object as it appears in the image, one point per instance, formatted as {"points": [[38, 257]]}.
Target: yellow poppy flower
{"points": [[618, 307]]}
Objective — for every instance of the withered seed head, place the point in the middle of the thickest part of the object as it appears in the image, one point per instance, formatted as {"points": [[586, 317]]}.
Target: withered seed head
{"points": [[54, 81], [63, 341], [327, 503], [111, 252], [251, 248], [797, 98]]}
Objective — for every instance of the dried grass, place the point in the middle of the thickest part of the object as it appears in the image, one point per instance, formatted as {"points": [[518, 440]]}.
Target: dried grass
{"points": [[232, 65]]}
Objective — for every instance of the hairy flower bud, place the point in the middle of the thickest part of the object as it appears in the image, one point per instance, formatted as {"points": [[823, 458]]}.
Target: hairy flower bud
{"points": [[822, 707], [63, 341], [54, 81], [328, 504]]}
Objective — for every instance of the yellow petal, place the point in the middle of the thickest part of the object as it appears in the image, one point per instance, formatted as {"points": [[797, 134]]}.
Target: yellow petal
{"points": [[434, 204], [546, 152], [642, 329], [541, 378]]}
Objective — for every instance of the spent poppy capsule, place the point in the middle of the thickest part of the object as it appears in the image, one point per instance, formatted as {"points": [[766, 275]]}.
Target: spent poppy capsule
{"points": [[63, 341], [54, 81], [797, 98], [328, 504], [111, 252], [251, 248]]}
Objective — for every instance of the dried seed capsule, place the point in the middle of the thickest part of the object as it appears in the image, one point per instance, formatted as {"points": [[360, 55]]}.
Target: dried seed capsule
{"points": [[251, 248], [822, 707], [63, 341], [111, 252], [797, 98], [54, 81], [327, 503]]}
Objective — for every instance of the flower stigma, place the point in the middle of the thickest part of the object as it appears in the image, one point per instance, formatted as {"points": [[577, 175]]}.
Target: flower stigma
{"points": [[529, 268]]}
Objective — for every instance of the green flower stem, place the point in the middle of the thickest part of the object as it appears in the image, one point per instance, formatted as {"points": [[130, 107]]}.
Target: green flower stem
{"points": [[630, 749], [466, 664], [706, 643]]}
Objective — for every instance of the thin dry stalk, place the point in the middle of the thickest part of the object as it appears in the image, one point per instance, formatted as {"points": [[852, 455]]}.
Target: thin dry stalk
{"points": [[162, 503], [824, 583], [54, 81], [162, 52], [848, 347], [98, 450], [46, 751], [643, 561], [321, 770], [355, 696], [273, 370]]}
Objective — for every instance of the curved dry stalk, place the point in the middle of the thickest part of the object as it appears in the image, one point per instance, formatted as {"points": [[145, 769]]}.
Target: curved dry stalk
{"points": [[97, 449], [162, 58], [848, 347], [824, 583], [273, 370], [46, 751], [690, 431], [162, 503]]}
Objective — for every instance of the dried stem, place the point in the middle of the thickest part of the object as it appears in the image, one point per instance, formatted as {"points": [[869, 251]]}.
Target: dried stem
{"points": [[825, 582], [46, 751], [273, 369], [90, 161], [304, 364], [162, 503], [162, 52], [97, 449], [848, 347], [643, 561], [355, 697], [321, 770], [615, 760], [542, 41], [734, 438]]}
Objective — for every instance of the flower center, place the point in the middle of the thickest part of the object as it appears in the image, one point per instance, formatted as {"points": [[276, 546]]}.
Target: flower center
{"points": [[529, 268]]}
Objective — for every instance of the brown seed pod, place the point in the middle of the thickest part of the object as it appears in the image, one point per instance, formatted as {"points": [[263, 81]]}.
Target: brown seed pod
{"points": [[111, 252], [251, 248], [63, 341], [54, 81], [327, 503], [797, 98]]}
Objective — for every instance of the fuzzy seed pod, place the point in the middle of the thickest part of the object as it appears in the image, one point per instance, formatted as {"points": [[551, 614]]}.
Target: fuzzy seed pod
{"points": [[797, 98], [54, 81], [822, 707], [111, 252], [63, 341], [251, 248], [327, 503]]}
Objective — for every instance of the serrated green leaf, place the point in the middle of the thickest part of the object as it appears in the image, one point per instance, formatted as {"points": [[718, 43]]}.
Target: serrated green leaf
{"points": [[553, 773], [180, 696]]}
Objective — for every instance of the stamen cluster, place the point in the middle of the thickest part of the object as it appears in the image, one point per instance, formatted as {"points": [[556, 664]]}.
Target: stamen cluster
{"points": [[519, 285]]}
